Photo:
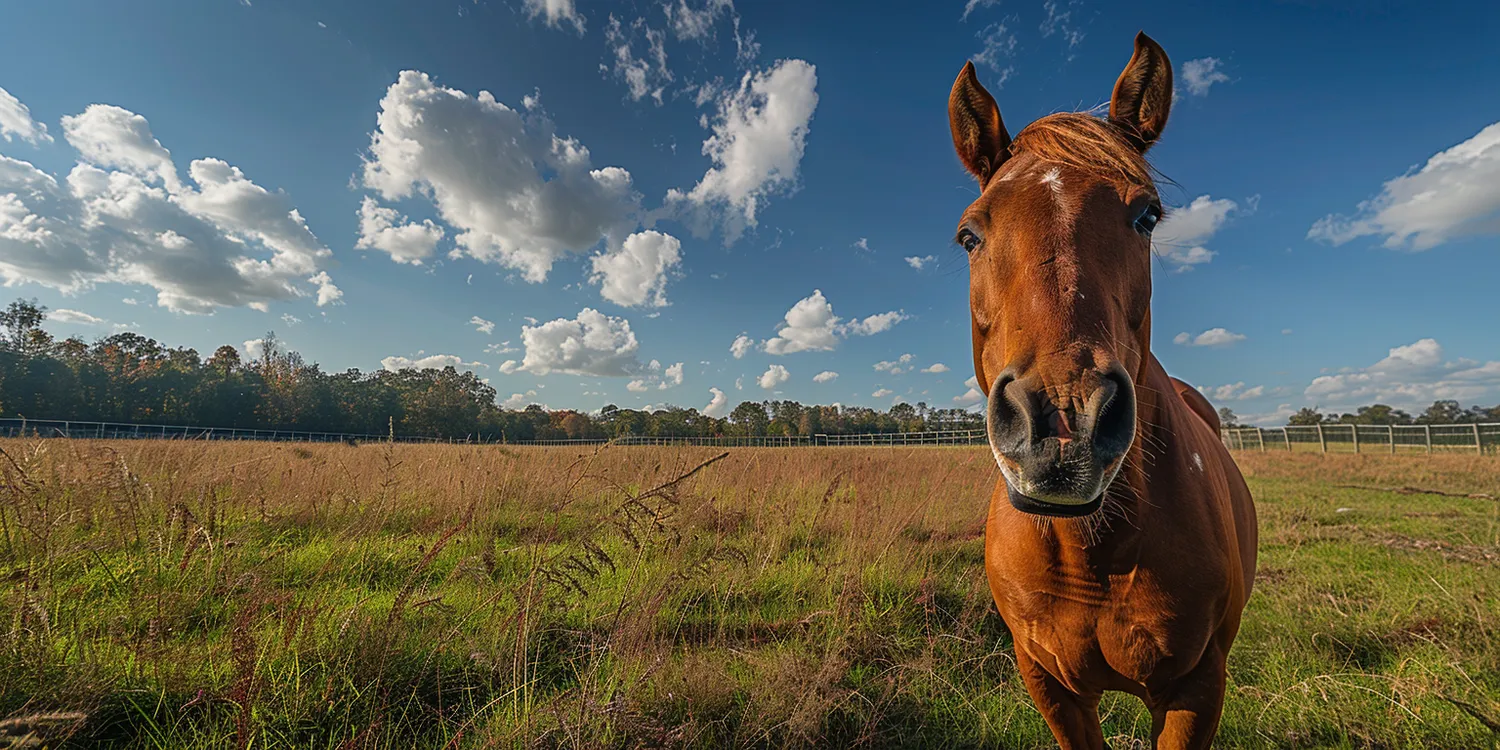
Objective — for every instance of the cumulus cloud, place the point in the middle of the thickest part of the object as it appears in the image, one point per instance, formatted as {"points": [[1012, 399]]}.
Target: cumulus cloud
{"points": [[515, 192], [1198, 76], [590, 344], [1180, 238], [758, 137], [1410, 376], [881, 393], [481, 325], [555, 13], [935, 368], [811, 326], [254, 348], [518, 401], [773, 376], [75, 316], [672, 376], [826, 376], [742, 345], [1210, 337], [16, 122], [920, 262], [971, 397], [385, 229], [635, 273], [718, 405], [1232, 392], [1454, 195], [428, 362], [123, 214]]}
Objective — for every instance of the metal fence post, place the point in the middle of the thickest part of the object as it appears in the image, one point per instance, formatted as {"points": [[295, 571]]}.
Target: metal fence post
{"points": [[1355, 429], [1322, 442], [1427, 435], [1391, 429], [1478, 444]]}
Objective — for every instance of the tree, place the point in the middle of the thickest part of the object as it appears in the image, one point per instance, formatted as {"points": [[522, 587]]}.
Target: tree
{"points": [[1227, 418], [750, 417], [20, 322], [1442, 412], [1306, 416]]}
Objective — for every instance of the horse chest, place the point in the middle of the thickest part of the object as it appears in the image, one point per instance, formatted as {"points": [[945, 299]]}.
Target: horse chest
{"points": [[1098, 637]]}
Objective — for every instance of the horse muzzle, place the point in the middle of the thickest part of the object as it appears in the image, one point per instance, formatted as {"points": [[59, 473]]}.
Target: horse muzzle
{"points": [[1058, 462]]}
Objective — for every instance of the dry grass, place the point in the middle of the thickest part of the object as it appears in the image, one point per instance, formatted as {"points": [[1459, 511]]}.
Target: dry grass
{"points": [[257, 595]]}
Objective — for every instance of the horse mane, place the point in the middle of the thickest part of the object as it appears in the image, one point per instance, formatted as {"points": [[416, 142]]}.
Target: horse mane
{"points": [[1083, 141]]}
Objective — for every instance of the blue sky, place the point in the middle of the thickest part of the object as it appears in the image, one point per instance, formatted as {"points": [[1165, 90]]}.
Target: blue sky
{"points": [[648, 182]]}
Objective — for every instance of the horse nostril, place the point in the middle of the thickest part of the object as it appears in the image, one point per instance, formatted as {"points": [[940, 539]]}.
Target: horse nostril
{"points": [[1007, 418], [1113, 410]]}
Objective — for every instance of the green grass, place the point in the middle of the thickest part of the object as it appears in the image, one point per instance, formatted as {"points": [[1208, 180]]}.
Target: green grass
{"points": [[200, 595]]}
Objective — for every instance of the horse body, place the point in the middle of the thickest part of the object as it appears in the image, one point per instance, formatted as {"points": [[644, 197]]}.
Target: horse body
{"points": [[1121, 540]]}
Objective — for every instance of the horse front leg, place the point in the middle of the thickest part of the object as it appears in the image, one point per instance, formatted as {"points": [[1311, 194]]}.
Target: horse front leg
{"points": [[1073, 718], [1186, 715]]}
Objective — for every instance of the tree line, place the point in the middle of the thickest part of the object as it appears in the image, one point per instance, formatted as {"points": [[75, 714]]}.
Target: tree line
{"points": [[129, 378], [1442, 411]]}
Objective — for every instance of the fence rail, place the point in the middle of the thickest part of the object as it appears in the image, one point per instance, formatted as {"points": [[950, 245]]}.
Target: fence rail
{"points": [[120, 431], [1367, 438]]}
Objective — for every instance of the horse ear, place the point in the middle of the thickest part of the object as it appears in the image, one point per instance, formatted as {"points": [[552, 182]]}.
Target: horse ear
{"points": [[979, 135], [1143, 94]]}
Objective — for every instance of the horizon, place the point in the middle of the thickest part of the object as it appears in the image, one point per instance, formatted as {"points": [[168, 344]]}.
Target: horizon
{"points": [[708, 203]]}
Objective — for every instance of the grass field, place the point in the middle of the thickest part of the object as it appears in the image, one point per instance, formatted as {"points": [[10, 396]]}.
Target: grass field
{"points": [[171, 594]]}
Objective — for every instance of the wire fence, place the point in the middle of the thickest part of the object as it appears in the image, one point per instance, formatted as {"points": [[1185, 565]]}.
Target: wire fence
{"points": [[1367, 438], [122, 431]]}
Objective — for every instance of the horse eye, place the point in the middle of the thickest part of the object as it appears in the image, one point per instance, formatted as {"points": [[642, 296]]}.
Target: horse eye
{"points": [[969, 240], [1146, 222]]}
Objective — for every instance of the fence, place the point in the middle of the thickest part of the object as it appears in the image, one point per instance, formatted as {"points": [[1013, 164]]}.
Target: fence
{"points": [[1367, 438], [121, 431]]}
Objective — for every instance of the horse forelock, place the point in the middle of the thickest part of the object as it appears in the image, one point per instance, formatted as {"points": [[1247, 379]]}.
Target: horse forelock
{"points": [[1085, 142]]}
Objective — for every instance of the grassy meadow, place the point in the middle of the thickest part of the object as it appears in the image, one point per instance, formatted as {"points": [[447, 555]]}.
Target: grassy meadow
{"points": [[182, 594]]}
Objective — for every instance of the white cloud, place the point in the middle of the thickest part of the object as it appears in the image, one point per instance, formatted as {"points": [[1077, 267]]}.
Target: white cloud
{"points": [[972, 396], [972, 5], [637, 386], [386, 229], [502, 347], [509, 367], [697, 24], [124, 215], [1278, 416], [874, 324], [826, 376], [1410, 377], [518, 401], [16, 122], [254, 348], [1061, 22], [429, 362], [739, 383], [1210, 337], [1201, 74], [481, 325], [1455, 194], [863, 243], [75, 316], [671, 377], [998, 51], [811, 326], [1180, 237], [881, 393], [1232, 392], [590, 344], [636, 272], [773, 376], [758, 136], [718, 405], [920, 262], [555, 12], [644, 76], [896, 366], [290, 319], [515, 192], [935, 368], [742, 344]]}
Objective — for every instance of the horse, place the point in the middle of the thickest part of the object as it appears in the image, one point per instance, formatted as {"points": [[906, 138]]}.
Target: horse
{"points": [[1120, 544]]}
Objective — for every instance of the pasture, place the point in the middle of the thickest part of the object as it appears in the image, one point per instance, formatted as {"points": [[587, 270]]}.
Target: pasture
{"points": [[178, 594]]}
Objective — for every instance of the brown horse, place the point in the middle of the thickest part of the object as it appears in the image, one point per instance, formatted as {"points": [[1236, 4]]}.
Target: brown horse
{"points": [[1120, 545]]}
